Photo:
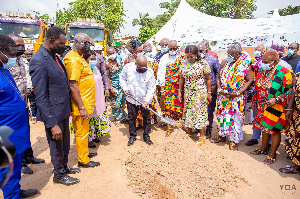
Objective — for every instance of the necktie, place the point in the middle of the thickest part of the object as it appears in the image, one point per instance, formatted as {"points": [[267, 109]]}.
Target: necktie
{"points": [[59, 63]]}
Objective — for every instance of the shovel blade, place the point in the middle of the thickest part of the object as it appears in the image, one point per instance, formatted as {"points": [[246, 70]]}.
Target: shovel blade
{"points": [[167, 120]]}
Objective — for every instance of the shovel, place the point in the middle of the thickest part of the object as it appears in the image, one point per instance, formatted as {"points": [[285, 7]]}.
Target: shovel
{"points": [[162, 119]]}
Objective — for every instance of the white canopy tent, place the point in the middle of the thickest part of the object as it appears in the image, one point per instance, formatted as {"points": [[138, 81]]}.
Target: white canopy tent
{"points": [[188, 26]]}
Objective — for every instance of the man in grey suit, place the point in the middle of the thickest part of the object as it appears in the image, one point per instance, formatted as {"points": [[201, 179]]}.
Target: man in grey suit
{"points": [[53, 100]]}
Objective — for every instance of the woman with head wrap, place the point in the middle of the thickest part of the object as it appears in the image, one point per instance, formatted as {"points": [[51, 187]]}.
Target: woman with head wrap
{"points": [[272, 87], [137, 50]]}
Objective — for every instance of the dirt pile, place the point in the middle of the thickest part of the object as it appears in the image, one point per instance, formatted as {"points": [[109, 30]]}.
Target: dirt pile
{"points": [[178, 168]]}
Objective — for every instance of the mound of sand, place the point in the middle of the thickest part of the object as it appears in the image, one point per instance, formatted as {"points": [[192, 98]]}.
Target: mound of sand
{"points": [[178, 168]]}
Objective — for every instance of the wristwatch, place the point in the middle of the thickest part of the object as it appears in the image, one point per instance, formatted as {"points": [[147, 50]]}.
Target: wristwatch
{"points": [[219, 90], [81, 108]]}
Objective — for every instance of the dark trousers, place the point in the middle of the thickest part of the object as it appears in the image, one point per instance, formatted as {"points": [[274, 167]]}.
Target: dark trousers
{"points": [[211, 109], [28, 154], [33, 107], [59, 149], [132, 115]]}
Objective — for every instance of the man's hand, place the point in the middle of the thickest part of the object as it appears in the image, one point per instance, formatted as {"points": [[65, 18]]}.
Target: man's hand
{"points": [[114, 93], [127, 92], [179, 97], [209, 97], [84, 114], [271, 102], [254, 106], [28, 91], [146, 104], [214, 89], [289, 115], [107, 93], [56, 132]]}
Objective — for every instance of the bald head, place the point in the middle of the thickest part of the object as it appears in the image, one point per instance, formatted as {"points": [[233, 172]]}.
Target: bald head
{"points": [[147, 44], [201, 47], [92, 42], [110, 50], [164, 42], [141, 61], [79, 37], [147, 49], [205, 43]]}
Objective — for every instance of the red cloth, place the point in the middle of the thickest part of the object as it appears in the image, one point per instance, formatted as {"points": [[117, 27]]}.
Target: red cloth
{"points": [[59, 63], [213, 54]]}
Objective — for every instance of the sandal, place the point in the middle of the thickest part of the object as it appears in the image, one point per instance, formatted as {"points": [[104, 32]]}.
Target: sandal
{"points": [[270, 159], [168, 133], [217, 139], [202, 142], [259, 152], [117, 123], [233, 146], [289, 170]]}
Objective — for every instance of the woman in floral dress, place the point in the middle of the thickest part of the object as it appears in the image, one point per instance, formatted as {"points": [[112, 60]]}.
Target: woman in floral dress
{"points": [[194, 72], [272, 90]]}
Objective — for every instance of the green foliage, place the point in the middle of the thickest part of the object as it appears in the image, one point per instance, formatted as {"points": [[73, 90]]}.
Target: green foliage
{"points": [[145, 34], [45, 18], [144, 21], [290, 10], [110, 12]]}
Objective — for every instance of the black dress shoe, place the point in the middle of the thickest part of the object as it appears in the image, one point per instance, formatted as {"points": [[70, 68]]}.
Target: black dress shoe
{"points": [[91, 164], [92, 146], [131, 141], [208, 134], [72, 170], [36, 161], [66, 180], [251, 142], [26, 170], [27, 193], [96, 140], [148, 141], [92, 155]]}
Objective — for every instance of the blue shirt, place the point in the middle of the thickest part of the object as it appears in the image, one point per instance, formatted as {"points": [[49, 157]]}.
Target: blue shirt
{"points": [[13, 111], [214, 67], [298, 68]]}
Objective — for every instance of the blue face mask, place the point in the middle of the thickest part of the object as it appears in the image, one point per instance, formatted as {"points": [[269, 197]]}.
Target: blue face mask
{"points": [[229, 59], [191, 61], [172, 53], [257, 54], [11, 62], [265, 66], [92, 63], [71, 45], [164, 50], [138, 54], [149, 55], [290, 52]]}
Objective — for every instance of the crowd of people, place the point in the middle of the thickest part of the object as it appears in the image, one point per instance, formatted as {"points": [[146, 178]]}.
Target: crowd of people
{"points": [[68, 89]]}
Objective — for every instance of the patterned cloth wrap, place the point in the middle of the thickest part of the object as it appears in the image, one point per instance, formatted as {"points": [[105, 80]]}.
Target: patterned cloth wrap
{"points": [[173, 107], [232, 79], [274, 117]]}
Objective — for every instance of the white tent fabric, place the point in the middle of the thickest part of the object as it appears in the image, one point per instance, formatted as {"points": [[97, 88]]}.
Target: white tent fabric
{"points": [[191, 26]]}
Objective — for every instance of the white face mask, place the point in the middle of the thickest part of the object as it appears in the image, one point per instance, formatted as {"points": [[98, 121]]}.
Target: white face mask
{"points": [[112, 57], [138, 54], [202, 55]]}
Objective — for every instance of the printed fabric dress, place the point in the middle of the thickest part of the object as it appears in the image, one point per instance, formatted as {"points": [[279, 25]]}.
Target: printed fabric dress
{"points": [[173, 107], [195, 94], [292, 146], [275, 83], [231, 112], [117, 103]]}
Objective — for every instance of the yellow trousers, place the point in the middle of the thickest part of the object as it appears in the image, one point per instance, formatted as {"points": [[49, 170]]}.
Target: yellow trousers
{"points": [[81, 128]]}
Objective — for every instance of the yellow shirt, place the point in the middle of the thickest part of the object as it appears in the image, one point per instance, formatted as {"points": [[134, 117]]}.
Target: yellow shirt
{"points": [[79, 70]]}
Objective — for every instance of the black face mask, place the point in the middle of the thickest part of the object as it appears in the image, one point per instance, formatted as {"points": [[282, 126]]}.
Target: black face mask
{"points": [[141, 70], [60, 50], [21, 50], [85, 48]]}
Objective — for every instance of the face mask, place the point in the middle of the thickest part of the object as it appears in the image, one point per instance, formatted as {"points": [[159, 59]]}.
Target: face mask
{"points": [[11, 62], [265, 66], [257, 54], [172, 53], [60, 50], [191, 61], [202, 55], [138, 54], [21, 50], [149, 55], [85, 48], [71, 45], [141, 70], [164, 50], [92, 63], [229, 59], [290, 52], [92, 48], [112, 57]]}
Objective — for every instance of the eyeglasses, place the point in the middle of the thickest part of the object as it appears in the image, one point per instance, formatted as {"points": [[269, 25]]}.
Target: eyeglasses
{"points": [[202, 51], [85, 43], [291, 48]]}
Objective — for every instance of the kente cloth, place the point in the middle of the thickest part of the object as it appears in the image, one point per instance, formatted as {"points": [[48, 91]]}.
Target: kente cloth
{"points": [[173, 107], [232, 79], [292, 146], [274, 117], [79, 70], [117, 103]]}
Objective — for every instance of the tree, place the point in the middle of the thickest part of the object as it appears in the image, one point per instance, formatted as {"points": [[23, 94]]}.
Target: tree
{"points": [[146, 33], [290, 10], [110, 12], [144, 21], [45, 18]]}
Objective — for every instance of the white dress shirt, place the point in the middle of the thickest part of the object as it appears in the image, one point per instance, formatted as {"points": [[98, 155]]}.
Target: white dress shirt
{"points": [[140, 85], [161, 72]]}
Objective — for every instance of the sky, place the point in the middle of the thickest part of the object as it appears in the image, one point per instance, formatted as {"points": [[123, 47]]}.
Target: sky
{"points": [[133, 7]]}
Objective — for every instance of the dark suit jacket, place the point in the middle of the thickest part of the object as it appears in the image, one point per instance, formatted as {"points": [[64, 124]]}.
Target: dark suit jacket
{"points": [[51, 88]]}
